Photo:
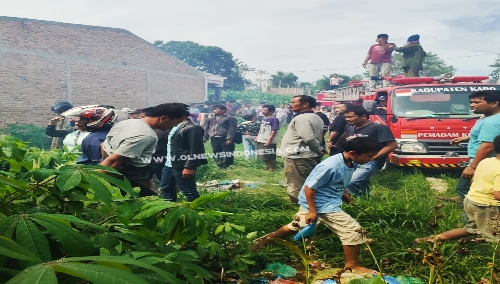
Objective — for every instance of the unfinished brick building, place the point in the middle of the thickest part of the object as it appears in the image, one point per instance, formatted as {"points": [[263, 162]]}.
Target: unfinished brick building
{"points": [[43, 62]]}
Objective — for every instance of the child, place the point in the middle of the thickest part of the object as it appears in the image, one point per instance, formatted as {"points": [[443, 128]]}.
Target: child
{"points": [[321, 197], [268, 137], [482, 203], [250, 129]]}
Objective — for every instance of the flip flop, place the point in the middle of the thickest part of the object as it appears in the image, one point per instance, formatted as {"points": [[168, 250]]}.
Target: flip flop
{"points": [[448, 199]]}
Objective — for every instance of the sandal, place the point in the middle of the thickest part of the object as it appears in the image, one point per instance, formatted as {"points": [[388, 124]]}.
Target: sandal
{"points": [[454, 199]]}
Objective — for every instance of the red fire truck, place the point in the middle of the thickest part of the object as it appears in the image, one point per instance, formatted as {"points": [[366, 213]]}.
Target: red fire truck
{"points": [[424, 114]]}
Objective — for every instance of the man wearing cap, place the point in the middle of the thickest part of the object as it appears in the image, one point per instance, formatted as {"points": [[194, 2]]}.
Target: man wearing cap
{"points": [[382, 108], [413, 56], [382, 102], [380, 57]]}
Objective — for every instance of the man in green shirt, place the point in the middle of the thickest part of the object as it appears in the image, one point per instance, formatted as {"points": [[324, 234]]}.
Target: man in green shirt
{"points": [[413, 56]]}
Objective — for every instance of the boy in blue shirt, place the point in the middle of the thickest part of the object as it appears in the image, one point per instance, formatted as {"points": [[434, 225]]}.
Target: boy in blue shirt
{"points": [[321, 197]]}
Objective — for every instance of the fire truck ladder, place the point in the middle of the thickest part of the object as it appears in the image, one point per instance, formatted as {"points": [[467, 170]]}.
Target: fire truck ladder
{"points": [[352, 93]]}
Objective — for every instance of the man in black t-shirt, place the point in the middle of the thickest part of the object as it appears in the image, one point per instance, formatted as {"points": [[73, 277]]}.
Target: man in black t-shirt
{"points": [[359, 125], [337, 128]]}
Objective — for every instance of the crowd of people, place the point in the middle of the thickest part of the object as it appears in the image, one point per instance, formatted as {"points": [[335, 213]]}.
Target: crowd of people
{"points": [[167, 141]]}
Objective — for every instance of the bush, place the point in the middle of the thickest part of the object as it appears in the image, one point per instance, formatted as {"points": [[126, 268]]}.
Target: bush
{"points": [[33, 135]]}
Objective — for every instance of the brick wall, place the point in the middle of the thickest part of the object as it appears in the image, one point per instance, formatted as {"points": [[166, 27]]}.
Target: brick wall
{"points": [[44, 62]]}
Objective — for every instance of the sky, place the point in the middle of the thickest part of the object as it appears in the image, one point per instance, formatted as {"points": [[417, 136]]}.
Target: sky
{"points": [[310, 38]]}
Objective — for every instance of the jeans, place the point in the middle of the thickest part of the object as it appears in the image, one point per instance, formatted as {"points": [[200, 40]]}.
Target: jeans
{"points": [[223, 153], [249, 147], [170, 178], [462, 188], [360, 181]]}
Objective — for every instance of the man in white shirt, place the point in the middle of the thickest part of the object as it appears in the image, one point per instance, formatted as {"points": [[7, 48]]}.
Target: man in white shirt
{"points": [[130, 144], [335, 82]]}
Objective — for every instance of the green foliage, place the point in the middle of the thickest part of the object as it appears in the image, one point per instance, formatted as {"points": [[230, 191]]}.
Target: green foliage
{"points": [[494, 74], [324, 83], [210, 59], [68, 223], [255, 97], [284, 79], [33, 135]]}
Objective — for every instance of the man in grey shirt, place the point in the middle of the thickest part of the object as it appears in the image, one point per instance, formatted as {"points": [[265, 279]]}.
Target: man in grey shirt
{"points": [[130, 144], [301, 144]]}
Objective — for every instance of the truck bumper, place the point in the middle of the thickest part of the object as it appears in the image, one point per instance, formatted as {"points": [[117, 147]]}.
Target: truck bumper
{"points": [[429, 161]]}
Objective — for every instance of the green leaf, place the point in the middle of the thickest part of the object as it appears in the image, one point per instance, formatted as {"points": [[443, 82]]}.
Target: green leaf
{"points": [[217, 213], [374, 280], [106, 241], [39, 175], [122, 184], [219, 229], [208, 199], [123, 260], [97, 168], [69, 218], [252, 235], [238, 227], [9, 271], [150, 222], [154, 210], [14, 183], [8, 225], [75, 207], [76, 194], [99, 188], [170, 221], [98, 274], [11, 249], [69, 177], [40, 274], [30, 237], [127, 209], [293, 248], [15, 166], [114, 264], [73, 242]]}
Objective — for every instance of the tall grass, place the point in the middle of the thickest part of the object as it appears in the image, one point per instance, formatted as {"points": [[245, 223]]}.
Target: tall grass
{"points": [[402, 199]]}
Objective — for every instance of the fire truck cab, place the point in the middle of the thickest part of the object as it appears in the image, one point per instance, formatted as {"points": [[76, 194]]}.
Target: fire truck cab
{"points": [[424, 114]]}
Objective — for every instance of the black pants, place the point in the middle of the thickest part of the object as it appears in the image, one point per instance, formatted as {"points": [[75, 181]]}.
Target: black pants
{"points": [[223, 153], [156, 170], [136, 176]]}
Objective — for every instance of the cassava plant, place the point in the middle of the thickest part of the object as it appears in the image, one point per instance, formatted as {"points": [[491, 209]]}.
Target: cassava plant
{"points": [[67, 223]]}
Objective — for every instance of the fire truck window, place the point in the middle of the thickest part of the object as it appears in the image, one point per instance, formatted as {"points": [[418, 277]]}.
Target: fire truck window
{"points": [[454, 104]]}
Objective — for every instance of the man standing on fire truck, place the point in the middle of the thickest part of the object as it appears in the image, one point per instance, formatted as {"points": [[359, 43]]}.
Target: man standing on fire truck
{"points": [[380, 57], [413, 56]]}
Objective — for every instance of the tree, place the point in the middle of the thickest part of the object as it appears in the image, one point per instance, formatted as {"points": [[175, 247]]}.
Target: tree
{"points": [[324, 82], [210, 59], [284, 79], [433, 66], [495, 74]]}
